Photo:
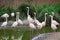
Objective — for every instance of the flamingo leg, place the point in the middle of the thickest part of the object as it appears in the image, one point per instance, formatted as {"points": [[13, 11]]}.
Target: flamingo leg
{"points": [[30, 34], [37, 30], [54, 31], [4, 31]]}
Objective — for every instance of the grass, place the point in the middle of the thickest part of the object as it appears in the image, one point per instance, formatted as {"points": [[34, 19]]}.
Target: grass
{"points": [[26, 32]]}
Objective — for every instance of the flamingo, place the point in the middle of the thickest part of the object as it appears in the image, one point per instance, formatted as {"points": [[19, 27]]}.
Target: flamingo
{"points": [[54, 21], [15, 23], [31, 26], [44, 22], [53, 26], [19, 20], [29, 17], [30, 21], [4, 24], [39, 25]]}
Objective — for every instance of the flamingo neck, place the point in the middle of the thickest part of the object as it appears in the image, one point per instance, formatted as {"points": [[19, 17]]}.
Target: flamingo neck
{"points": [[18, 17], [28, 12], [6, 19], [51, 19], [45, 18], [35, 17]]}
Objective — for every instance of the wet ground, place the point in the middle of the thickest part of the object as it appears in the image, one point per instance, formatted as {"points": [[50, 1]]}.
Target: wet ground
{"points": [[48, 36]]}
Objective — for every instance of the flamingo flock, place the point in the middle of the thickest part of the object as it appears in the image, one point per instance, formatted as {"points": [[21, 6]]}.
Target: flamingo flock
{"points": [[31, 22]]}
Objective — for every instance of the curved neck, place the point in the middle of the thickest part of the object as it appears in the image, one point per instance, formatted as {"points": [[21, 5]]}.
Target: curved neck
{"points": [[51, 19], [6, 19], [16, 17], [45, 18], [35, 16], [28, 12]]}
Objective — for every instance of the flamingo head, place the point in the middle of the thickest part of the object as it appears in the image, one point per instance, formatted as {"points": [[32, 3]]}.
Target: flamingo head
{"points": [[27, 7], [52, 13], [35, 13], [5, 15], [46, 13], [17, 13]]}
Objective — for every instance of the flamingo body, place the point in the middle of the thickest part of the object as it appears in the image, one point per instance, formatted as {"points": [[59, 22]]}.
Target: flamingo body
{"points": [[4, 23], [15, 24], [55, 22], [32, 26], [30, 19], [20, 21]]}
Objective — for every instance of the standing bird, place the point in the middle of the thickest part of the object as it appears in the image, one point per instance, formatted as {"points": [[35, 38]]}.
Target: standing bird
{"points": [[19, 20], [31, 26], [4, 24], [30, 21], [29, 17], [39, 25], [53, 26], [54, 21], [15, 23], [12, 15], [44, 22]]}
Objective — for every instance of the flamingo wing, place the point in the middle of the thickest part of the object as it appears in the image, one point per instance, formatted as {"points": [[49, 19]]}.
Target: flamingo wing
{"points": [[31, 25], [4, 24], [15, 24], [55, 22], [20, 21]]}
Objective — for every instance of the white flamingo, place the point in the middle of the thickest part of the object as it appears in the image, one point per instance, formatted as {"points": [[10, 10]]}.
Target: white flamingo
{"points": [[44, 22], [29, 17], [4, 24], [32, 26], [30, 21], [54, 21], [39, 25], [19, 20], [15, 23], [53, 26]]}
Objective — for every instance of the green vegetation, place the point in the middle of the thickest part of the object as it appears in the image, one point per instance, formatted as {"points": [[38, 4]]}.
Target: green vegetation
{"points": [[17, 32]]}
